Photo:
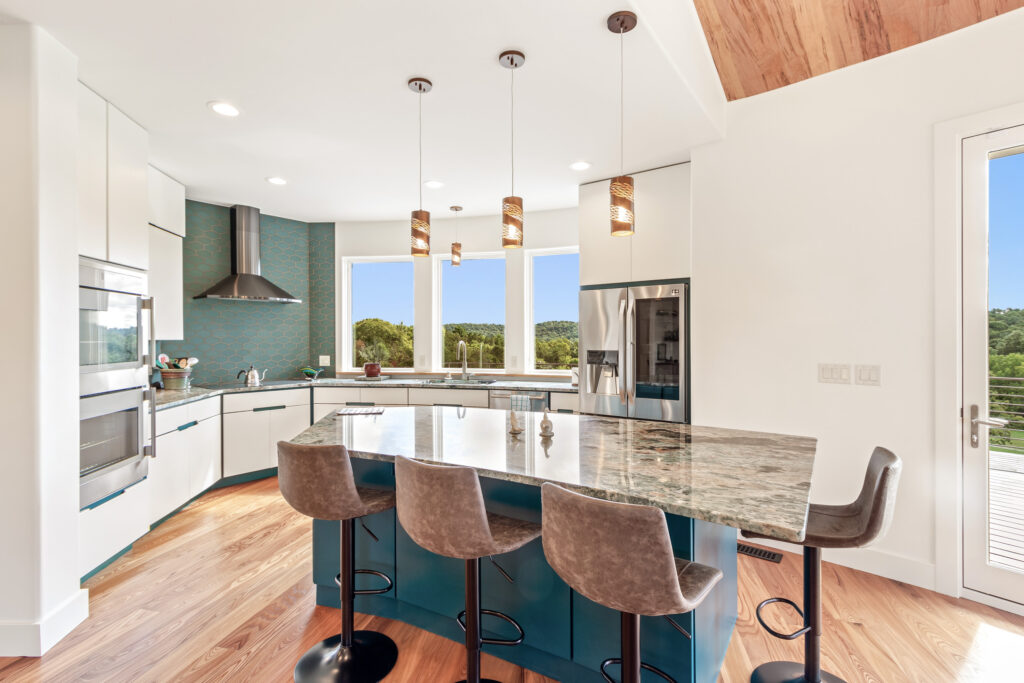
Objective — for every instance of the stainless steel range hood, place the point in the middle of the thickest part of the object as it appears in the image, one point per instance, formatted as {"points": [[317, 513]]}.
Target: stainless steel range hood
{"points": [[245, 282]]}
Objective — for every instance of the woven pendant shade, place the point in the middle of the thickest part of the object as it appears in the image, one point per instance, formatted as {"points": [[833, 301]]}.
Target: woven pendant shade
{"points": [[622, 206], [512, 222], [421, 233]]}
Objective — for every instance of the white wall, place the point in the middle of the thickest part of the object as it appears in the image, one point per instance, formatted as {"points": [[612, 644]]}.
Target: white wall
{"points": [[478, 234], [813, 242], [40, 596]]}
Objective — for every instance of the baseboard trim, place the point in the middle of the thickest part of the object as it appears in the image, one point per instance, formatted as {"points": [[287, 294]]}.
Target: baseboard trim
{"points": [[992, 601], [871, 560], [34, 639]]}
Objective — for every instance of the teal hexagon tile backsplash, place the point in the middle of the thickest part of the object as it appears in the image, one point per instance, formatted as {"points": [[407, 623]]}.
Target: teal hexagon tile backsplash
{"points": [[226, 336]]}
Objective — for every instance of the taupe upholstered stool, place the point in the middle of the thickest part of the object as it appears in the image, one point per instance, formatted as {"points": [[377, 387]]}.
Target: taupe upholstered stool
{"points": [[441, 507], [620, 556], [318, 482], [831, 526]]}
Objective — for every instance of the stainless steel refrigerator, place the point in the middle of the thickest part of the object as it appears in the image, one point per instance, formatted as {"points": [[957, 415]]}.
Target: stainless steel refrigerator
{"points": [[634, 350]]}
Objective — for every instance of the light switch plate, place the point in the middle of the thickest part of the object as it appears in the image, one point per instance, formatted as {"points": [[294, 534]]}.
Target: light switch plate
{"points": [[869, 375], [834, 373], [325, 360]]}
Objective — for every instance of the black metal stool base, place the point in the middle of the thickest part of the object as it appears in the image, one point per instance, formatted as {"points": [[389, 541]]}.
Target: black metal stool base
{"points": [[482, 680], [369, 659], [788, 672]]}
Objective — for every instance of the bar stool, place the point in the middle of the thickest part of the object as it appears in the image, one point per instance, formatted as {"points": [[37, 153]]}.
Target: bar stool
{"points": [[441, 507], [318, 482], [620, 556], [831, 526]]}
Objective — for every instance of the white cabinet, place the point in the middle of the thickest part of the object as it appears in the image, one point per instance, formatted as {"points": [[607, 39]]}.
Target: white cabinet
{"points": [[660, 247], [563, 401], [328, 399], [470, 398], [168, 475], [188, 455], [255, 421], [109, 528], [166, 205], [166, 284], [113, 195], [127, 191], [92, 174]]}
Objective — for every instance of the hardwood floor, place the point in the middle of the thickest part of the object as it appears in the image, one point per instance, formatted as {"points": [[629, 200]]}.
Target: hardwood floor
{"points": [[223, 592]]}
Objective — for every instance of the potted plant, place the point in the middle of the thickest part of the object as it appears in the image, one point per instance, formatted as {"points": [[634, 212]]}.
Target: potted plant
{"points": [[373, 357]]}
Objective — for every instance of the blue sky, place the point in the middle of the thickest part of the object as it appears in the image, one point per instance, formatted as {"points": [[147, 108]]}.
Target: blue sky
{"points": [[1006, 232], [474, 292]]}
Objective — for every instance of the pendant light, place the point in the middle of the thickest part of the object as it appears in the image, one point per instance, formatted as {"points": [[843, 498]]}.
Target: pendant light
{"points": [[420, 218], [621, 189], [456, 245], [512, 206]]}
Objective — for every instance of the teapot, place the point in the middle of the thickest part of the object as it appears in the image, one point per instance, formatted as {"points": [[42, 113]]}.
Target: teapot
{"points": [[253, 378]]}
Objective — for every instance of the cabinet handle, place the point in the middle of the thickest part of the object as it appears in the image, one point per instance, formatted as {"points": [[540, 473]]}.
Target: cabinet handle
{"points": [[360, 403], [262, 408], [187, 425]]}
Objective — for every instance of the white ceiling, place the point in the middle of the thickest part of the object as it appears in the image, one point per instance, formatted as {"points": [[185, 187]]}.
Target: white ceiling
{"points": [[322, 89]]}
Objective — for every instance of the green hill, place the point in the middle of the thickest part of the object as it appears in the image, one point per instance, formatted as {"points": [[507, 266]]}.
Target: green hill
{"points": [[557, 329]]}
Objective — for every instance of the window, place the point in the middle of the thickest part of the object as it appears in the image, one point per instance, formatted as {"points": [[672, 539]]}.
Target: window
{"points": [[382, 313], [473, 311], [556, 311]]}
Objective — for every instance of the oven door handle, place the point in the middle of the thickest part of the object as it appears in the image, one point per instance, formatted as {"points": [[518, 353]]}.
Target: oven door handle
{"points": [[149, 303], [150, 450]]}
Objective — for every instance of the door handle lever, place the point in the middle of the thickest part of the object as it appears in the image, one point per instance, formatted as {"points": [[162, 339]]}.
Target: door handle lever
{"points": [[977, 421]]}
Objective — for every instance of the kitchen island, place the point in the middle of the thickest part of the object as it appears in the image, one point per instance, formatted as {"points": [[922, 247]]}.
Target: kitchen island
{"points": [[708, 481]]}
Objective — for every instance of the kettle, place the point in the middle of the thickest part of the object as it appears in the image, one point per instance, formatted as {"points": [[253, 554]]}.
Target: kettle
{"points": [[252, 376]]}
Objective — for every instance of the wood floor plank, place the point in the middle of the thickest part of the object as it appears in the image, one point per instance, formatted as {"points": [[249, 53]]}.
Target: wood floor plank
{"points": [[223, 592]]}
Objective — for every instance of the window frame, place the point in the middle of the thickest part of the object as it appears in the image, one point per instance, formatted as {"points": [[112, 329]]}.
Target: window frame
{"points": [[348, 324], [531, 326], [437, 362]]}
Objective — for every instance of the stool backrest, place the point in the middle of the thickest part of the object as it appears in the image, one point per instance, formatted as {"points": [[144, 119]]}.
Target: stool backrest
{"points": [[317, 481], [616, 554], [441, 507], [877, 499]]}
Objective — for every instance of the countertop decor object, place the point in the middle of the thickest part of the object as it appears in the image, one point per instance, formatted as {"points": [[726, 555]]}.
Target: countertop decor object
{"points": [[176, 379], [547, 429], [513, 423]]}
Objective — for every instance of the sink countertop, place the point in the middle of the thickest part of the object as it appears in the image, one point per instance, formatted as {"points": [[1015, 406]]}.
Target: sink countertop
{"points": [[168, 398], [749, 480]]}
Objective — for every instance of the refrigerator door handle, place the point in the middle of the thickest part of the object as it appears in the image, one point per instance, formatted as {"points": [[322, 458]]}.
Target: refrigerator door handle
{"points": [[623, 349], [631, 351]]}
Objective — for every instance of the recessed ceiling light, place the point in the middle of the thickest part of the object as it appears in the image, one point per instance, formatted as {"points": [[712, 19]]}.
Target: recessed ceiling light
{"points": [[579, 165], [223, 108], [274, 180], [433, 184]]}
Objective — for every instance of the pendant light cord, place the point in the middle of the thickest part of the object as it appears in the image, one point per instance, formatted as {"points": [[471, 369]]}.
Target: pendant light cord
{"points": [[512, 121], [420, 98], [622, 99]]}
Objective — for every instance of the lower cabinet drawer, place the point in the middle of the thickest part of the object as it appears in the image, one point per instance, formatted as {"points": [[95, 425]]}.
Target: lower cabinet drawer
{"points": [[267, 398], [564, 401], [107, 529], [471, 398]]}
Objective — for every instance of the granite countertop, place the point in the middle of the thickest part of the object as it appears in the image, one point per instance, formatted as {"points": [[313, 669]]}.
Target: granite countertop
{"points": [[749, 480], [170, 398]]}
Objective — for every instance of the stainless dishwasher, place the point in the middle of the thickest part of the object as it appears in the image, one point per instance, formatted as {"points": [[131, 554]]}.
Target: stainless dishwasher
{"points": [[502, 400]]}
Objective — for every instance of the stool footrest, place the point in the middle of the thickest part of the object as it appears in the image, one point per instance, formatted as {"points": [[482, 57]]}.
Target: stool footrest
{"points": [[618, 660], [461, 619], [782, 636], [369, 591]]}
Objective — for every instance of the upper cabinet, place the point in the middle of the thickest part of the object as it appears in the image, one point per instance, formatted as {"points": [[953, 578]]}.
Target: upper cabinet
{"points": [[166, 202], [112, 195], [659, 249]]}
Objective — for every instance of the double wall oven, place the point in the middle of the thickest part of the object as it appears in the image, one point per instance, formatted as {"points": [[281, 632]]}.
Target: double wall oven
{"points": [[114, 347]]}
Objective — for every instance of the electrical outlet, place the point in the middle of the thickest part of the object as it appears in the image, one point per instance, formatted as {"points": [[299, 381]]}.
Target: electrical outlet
{"points": [[834, 373], [325, 360], [869, 375]]}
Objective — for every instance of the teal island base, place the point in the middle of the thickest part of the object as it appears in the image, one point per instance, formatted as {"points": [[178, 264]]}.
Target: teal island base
{"points": [[567, 636]]}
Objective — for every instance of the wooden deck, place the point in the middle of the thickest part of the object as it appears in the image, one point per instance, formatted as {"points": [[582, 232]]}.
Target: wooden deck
{"points": [[1006, 513]]}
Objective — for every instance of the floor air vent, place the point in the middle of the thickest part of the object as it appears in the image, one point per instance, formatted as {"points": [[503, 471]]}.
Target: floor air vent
{"points": [[759, 553]]}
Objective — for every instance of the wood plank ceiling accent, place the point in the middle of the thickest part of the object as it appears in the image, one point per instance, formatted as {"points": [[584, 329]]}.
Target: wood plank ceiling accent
{"points": [[760, 45]]}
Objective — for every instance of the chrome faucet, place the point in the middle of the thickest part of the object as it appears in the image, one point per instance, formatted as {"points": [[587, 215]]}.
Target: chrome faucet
{"points": [[462, 353]]}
